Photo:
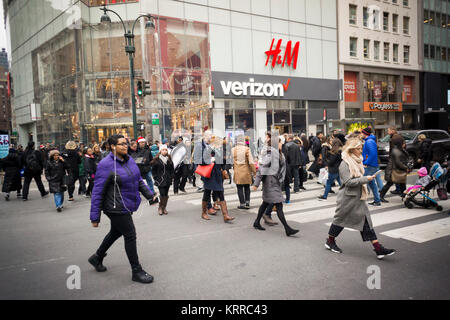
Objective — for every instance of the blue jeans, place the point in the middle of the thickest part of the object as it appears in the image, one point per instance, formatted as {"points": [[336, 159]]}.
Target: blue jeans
{"points": [[59, 199], [372, 184], [331, 178], [149, 180]]}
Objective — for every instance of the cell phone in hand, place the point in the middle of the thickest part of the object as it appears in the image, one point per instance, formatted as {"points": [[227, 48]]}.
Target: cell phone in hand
{"points": [[378, 172], [153, 201]]}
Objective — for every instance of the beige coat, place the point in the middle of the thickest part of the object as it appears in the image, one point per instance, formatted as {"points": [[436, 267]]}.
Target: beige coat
{"points": [[243, 164]]}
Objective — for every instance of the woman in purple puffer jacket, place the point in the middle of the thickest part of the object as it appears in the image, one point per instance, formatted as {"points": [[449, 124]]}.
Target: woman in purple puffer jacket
{"points": [[116, 190]]}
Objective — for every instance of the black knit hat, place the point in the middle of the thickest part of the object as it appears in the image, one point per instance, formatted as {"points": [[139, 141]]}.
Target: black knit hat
{"points": [[367, 131]]}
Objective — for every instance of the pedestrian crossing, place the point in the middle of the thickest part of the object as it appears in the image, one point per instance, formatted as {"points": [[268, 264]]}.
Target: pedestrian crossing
{"points": [[306, 208]]}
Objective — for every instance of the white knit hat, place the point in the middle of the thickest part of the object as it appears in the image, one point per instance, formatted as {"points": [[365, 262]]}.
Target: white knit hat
{"points": [[163, 146]]}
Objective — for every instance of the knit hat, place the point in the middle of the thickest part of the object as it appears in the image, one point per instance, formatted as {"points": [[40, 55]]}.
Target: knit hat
{"points": [[422, 172], [367, 131], [165, 141], [163, 146], [52, 153], [41, 146], [141, 139], [71, 145]]}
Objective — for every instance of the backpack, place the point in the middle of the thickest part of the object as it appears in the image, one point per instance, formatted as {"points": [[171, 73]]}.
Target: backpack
{"points": [[32, 163]]}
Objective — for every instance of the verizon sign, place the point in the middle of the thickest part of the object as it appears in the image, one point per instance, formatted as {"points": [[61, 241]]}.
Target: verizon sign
{"points": [[254, 89]]}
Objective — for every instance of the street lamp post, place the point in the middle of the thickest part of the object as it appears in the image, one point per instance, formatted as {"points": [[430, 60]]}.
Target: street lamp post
{"points": [[130, 50]]}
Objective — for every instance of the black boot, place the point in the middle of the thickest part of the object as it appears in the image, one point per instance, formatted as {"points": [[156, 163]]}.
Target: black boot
{"points": [[139, 275], [258, 226], [97, 262]]}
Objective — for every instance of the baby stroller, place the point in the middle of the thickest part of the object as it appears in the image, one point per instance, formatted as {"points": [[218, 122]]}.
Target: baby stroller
{"points": [[421, 197]]}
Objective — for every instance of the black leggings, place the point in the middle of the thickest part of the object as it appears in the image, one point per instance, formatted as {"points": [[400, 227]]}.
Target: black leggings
{"points": [[121, 225], [164, 191], [217, 195], [367, 234], [243, 193], [280, 213]]}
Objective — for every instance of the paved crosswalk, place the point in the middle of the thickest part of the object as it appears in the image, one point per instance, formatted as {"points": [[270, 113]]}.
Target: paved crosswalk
{"points": [[306, 208]]}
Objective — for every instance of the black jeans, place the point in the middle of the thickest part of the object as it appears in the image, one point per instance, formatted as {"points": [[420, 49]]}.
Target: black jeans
{"points": [[367, 234], [71, 185], [301, 174], [217, 195], [243, 193], [27, 181], [295, 174], [82, 187], [121, 225], [388, 185], [90, 186], [179, 181]]}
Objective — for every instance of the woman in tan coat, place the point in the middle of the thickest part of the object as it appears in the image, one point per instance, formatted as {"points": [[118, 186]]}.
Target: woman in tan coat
{"points": [[244, 170]]}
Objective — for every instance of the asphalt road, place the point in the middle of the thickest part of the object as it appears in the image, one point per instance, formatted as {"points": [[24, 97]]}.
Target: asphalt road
{"points": [[195, 259]]}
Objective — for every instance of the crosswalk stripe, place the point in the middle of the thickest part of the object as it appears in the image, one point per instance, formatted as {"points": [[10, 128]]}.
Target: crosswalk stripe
{"points": [[422, 232]]}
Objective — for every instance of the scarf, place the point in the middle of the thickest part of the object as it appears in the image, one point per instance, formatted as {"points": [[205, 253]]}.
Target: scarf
{"points": [[356, 170], [164, 158]]}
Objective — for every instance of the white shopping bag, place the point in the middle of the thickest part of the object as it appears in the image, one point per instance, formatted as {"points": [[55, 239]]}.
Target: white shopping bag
{"points": [[323, 176]]}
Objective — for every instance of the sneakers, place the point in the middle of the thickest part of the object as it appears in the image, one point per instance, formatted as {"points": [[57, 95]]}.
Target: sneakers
{"points": [[384, 252], [97, 262], [241, 206], [376, 204], [384, 200], [139, 275], [287, 201], [302, 188], [59, 209], [71, 199], [247, 205], [332, 246], [322, 198]]}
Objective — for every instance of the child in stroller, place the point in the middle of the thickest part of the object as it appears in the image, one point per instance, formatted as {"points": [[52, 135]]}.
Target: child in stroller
{"points": [[419, 194]]}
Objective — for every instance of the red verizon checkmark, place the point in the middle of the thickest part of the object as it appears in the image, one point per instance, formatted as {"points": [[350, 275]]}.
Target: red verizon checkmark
{"points": [[286, 86]]}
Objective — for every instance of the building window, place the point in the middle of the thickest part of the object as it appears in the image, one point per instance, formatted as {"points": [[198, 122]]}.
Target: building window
{"points": [[448, 54], [376, 20], [406, 54], [432, 48], [386, 21], [444, 54], [352, 14], [405, 3], [438, 53], [431, 18], [394, 1], [395, 23], [405, 25], [426, 16], [365, 17], [444, 20], [353, 47], [425, 51], [376, 50], [438, 19], [386, 51], [366, 48], [395, 53]]}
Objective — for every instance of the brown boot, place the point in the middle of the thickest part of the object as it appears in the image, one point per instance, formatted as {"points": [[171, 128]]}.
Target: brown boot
{"points": [[166, 198], [205, 210], [216, 206], [268, 220], [226, 217]]}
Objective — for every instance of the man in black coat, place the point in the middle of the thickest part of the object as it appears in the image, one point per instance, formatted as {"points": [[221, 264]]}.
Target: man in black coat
{"points": [[33, 166], [180, 178], [11, 164], [293, 161]]}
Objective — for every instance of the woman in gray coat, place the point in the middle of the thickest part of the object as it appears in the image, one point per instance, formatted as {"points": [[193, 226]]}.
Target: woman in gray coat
{"points": [[352, 211], [272, 170]]}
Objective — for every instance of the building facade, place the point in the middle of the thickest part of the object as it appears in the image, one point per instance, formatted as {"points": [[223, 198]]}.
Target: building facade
{"points": [[71, 73], [435, 52], [379, 63]]}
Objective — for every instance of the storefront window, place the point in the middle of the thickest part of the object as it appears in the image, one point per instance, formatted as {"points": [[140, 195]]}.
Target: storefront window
{"points": [[380, 88]]}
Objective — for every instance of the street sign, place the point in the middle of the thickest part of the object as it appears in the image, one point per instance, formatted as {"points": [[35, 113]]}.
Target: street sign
{"points": [[155, 118]]}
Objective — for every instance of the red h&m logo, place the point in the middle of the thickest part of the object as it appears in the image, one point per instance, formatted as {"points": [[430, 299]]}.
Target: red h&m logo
{"points": [[288, 54]]}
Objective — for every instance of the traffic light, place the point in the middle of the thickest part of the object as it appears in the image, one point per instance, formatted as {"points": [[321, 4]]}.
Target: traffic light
{"points": [[140, 91], [147, 89]]}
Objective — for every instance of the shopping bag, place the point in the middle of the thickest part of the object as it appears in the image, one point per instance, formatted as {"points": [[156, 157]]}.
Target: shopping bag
{"points": [[205, 171], [323, 176]]}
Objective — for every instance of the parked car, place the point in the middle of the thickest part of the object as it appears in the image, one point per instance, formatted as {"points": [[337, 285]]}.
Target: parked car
{"points": [[440, 145]]}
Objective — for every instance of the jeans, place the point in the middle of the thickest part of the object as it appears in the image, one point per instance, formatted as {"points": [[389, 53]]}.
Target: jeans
{"points": [[59, 199], [149, 179], [331, 178], [368, 171], [287, 188], [82, 187], [121, 225], [243, 193], [294, 174]]}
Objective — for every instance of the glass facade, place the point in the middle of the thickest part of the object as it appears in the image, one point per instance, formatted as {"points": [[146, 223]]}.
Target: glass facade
{"points": [[81, 81]]}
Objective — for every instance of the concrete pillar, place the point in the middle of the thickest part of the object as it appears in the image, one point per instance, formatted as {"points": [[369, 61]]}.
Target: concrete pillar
{"points": [[219, 118], [260, 119]]}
